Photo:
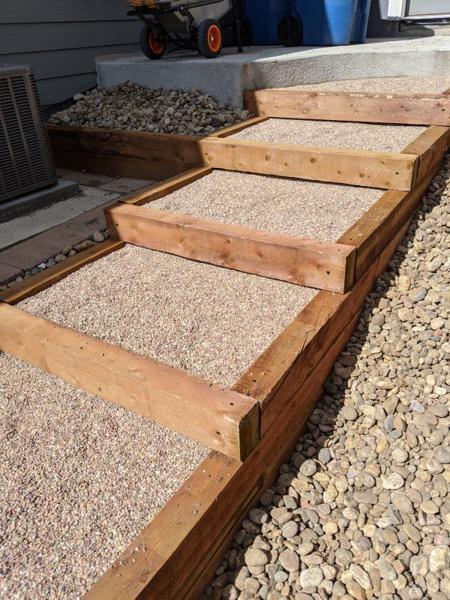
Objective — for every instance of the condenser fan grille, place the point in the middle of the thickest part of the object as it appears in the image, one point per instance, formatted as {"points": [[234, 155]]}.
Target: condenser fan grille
{"points": [[26, 161]]}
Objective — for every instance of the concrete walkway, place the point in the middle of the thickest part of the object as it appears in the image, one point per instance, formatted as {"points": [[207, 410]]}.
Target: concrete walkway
{"points": [[226, 77]]}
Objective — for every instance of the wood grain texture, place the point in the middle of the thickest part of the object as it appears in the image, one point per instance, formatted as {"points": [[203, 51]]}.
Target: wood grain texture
{"points": [[125, 153], [361, 168], [295, 260], [414, 109], [219, 418], [175, 556]]}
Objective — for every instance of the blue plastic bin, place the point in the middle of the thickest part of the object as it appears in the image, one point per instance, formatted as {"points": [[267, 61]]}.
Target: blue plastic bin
{"points": [[265, 16], [360, 22], [326, 22]]}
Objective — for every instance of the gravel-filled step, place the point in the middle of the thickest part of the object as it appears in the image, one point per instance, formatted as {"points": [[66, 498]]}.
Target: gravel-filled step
{"points": [[208, 321], [308, 209], [332, 134]]}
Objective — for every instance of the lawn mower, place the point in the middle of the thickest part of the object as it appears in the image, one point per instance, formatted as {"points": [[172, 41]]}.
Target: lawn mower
{"points": [[187, 24]]}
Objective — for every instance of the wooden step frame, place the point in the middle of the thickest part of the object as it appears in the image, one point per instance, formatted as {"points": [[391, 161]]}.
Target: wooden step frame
{"points": [[399, 109], [142, 155], [221, 419], [174, 557], [384, 170], [296, 260], [186, 540], [158, 156]]}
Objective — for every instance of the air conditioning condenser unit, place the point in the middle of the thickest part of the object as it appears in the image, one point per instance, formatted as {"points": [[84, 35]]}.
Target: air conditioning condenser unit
{"points": [[26, 161]]}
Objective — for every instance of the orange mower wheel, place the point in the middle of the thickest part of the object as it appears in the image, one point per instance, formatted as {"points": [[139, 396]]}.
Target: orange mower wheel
{"points": [[153, 42], [209, 37]]}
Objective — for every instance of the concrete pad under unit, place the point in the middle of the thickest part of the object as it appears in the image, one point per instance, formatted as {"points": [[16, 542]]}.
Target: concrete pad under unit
{"points": [[228, 76], [24, 205], [26, 226]]}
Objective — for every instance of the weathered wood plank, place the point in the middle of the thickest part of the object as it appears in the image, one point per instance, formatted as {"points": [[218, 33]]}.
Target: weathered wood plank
{"points": [[361, 168], [124, 153], [219, 418], [301, 261], [41, 281], [414, 109]]}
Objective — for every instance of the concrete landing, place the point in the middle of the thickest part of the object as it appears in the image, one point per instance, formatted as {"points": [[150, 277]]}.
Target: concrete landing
{"points": [[228, 76]]}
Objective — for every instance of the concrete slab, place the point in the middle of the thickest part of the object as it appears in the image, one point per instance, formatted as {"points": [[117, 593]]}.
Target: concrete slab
{"points": [[36, 200], [125, 185], [7, 272], [40, 248], [27, 226], [85, 178], [226, 77]]}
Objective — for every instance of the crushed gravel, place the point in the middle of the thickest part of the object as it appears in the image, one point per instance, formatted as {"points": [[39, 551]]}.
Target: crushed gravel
{"points": [[356, 136], [134, 107], [79, 478], [303, 208], [362, 507], [384, 85], [206, 320]]}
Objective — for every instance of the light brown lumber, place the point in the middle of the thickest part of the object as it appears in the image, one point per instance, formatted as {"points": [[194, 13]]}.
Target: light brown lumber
{"points": [[301, 261], [414, 109], [430, 146], [124, 153], [175, 556], [34, 284], [353, 167], [222, 419], [378, 225], [112, 166]]}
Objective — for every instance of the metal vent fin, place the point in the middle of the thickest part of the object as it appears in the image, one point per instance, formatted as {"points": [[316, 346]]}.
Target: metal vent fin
{"points": [[26, 161]]}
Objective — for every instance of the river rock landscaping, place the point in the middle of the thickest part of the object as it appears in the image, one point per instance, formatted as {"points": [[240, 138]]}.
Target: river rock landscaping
{"points": [[97, 237], [134, 107], [362, 509]]}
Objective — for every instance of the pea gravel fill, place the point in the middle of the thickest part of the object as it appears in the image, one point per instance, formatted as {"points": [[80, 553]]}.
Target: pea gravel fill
{"points": [[332, 134], [206, 320], [308, 209], [79, 478]]}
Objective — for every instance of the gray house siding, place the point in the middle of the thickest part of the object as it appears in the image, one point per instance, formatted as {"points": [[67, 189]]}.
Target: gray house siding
{"points": [[61, 38]]}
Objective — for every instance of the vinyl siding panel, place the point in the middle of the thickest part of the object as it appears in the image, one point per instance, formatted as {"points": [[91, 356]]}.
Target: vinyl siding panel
{"points": [[61, 39]]}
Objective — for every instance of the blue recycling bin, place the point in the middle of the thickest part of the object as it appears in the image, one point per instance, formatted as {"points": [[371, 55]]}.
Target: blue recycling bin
{"points": [[326, 22], [265, 17], [361, 22]]}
